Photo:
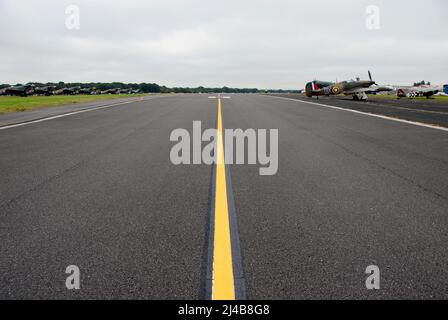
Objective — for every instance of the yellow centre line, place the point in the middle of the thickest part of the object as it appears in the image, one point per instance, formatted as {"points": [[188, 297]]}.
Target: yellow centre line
{"points": [[223, 280]]}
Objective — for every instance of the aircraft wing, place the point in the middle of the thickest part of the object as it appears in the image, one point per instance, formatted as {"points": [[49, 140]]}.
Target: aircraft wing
{"points": [[371, 89], [323, 84], [360, 90]]}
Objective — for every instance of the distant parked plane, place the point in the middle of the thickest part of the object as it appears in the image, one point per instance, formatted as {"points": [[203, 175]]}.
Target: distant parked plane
{"points": [[20, 90], [86, 90], [68, 91], [111, 91], [418, 91], [46, 91]]}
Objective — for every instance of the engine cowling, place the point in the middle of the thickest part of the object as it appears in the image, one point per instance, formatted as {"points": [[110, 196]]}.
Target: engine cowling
{"points": [[336, 89]]}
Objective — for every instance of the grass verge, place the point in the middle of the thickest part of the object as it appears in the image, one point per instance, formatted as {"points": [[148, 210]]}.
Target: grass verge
{"points": [[394, 97], [20, 104]]}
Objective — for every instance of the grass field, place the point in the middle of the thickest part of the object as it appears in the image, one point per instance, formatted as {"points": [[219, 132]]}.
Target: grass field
{"points": [[394, 97], [19, 104]]}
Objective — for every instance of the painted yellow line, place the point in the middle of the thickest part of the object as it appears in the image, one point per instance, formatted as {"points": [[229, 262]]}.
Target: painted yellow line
{"points": [[223, 281]]}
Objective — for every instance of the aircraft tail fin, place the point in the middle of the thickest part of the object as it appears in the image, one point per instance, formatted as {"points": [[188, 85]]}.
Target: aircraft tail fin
{"points": [[310, 88]]}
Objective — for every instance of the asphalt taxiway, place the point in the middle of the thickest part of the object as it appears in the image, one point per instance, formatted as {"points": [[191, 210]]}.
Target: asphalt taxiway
{"points": [[97, 190], [428, 111]]}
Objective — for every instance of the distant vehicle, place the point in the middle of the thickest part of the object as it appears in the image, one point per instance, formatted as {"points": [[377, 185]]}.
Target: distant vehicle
{"points": [[419, 91], [75, 90], [356, 88], [67, 91], [22, 91], [86, 90], [58, 92], [46, 91], [374, 89], [2, 92], [111, 91]]}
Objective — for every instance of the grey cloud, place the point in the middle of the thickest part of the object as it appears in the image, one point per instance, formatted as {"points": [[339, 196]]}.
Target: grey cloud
{"points": [[275, 44]]}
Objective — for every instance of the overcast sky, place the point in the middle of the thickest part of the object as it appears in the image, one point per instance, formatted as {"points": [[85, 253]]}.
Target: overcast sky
{"points": [[243, 43]]}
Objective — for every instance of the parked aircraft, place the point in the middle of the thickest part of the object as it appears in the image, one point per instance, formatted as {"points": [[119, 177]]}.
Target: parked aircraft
{"points": [[51, 89], [20, 90], [67, 91], [47, 91], [356, 88], [86, 90], [374, 89], [419, 91], [111, 91]]}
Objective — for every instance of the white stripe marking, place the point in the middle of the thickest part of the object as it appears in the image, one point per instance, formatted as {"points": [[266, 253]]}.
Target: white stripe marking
{"points": [[65, 115], [420, 124]]}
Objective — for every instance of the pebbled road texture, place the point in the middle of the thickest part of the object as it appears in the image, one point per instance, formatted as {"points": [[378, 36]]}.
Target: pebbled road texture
{"points": [[427, 111], [351, 191], [31, 115], [98, 190]]}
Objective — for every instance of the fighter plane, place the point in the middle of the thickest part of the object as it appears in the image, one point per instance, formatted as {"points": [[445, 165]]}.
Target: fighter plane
{"points": [[46, 91], [418, 91], [356, 88], [86, 90], [374, 89], [111, 91], [67, 91], [20, 90]]}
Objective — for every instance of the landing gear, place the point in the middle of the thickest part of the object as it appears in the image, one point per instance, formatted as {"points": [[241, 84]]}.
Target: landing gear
{"points": [[360, 97]]}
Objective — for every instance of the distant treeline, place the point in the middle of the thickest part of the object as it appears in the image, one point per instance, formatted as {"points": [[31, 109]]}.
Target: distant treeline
{"points": [[423, 82], [149, 87]]}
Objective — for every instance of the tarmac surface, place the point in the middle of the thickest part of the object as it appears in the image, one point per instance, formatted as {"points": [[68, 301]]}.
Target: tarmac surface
{"points": [[98, 190], [428, 111]]}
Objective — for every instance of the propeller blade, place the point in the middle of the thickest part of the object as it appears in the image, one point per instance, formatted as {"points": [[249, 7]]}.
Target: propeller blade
{"points": [[370, 76]]}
